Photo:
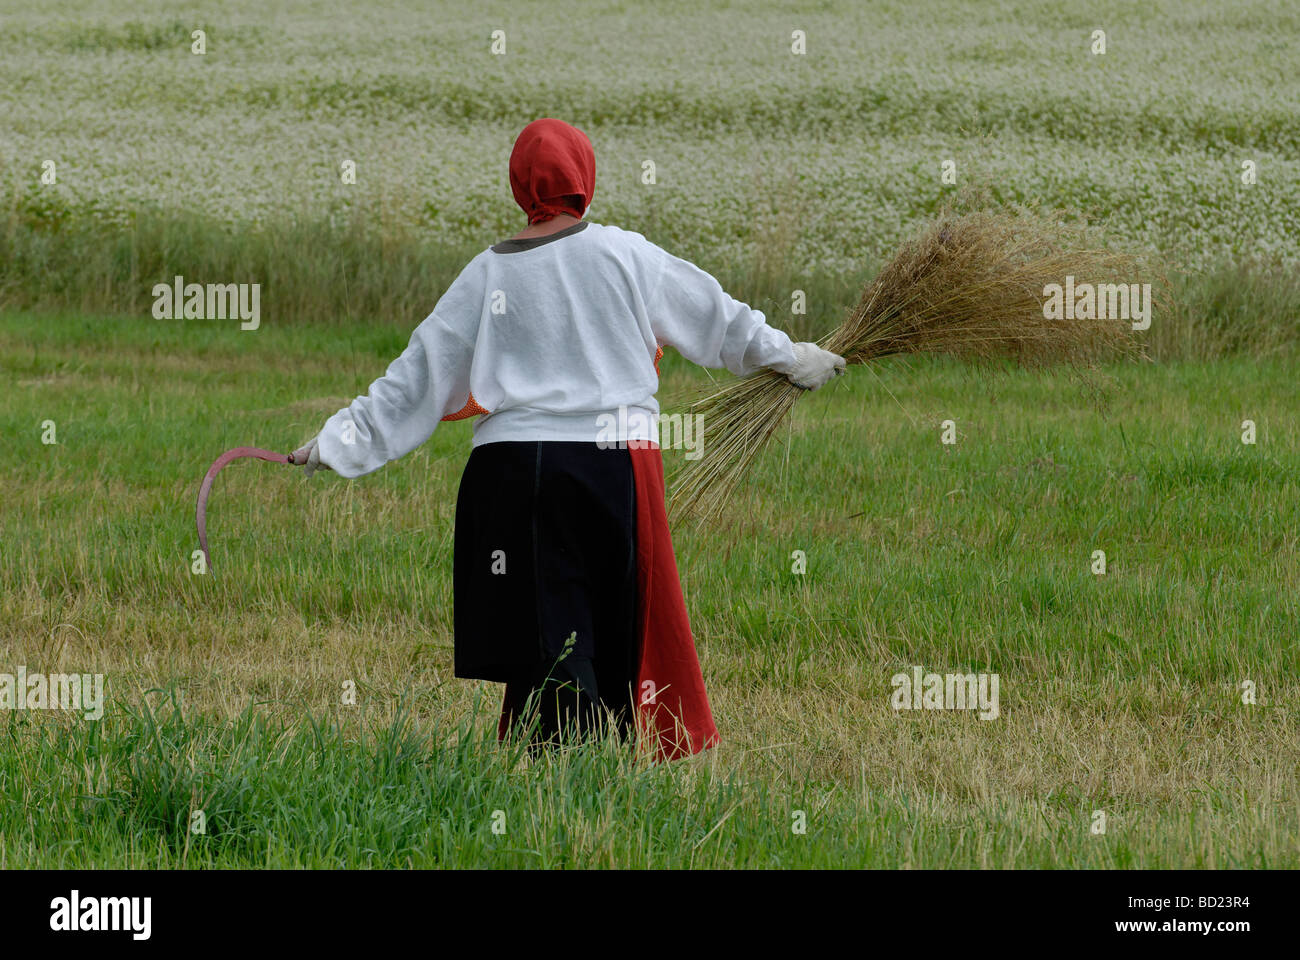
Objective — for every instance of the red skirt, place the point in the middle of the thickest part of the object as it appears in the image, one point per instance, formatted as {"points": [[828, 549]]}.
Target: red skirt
{"points": [[671, 701]]}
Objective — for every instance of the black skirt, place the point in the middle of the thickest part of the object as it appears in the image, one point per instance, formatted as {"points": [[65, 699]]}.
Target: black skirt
{"points": [[545, 557]]}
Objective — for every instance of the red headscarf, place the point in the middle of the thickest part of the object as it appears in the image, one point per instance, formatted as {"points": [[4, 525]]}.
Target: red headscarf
{"points": [[552, 170]]}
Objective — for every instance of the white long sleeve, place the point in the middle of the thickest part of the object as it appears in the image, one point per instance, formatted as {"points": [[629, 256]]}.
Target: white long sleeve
{"points": [[690, 311], [429, 380]]}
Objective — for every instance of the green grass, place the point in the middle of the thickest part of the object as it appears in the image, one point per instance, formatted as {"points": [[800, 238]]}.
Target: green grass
{"points": [[333, 274], [314, 270], [1119, 693], [290, 794]]}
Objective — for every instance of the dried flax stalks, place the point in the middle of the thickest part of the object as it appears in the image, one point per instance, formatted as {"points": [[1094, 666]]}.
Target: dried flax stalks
{"points": [[971, 285]]}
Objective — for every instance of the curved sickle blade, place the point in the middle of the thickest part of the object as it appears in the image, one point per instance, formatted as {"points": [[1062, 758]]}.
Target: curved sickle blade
{"points": [[201, 514]]}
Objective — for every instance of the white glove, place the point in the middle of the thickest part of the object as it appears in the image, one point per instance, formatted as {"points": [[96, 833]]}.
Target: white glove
{"points": [[814, 367], [311, 462]]}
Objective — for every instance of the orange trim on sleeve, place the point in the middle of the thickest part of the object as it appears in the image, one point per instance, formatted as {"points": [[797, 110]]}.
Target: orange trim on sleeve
{"points": [[471, 409], [659, 355]]}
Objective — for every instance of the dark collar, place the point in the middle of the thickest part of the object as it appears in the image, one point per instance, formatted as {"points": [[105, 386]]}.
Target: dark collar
{"points": [[528, 243]]}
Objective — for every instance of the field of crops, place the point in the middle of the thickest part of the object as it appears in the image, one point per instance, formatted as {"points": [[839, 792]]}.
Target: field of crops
{"points": [[846, 140], [1161, 694]]}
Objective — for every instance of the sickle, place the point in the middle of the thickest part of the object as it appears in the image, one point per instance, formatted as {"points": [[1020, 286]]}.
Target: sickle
{"points": [[201, 514]]}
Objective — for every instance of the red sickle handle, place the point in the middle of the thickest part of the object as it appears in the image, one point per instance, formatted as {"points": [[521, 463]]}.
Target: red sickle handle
{"points": [[201, 511]]}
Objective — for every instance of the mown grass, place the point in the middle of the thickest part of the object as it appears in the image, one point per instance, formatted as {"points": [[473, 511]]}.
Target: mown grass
{"points": [[1119, 693]]}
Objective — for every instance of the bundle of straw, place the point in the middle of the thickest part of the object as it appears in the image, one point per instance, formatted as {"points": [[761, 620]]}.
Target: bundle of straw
{"points": [[970, 285]]}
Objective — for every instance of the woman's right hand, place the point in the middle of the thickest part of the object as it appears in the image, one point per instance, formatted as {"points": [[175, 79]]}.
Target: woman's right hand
{"points": [[308, 457]]}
